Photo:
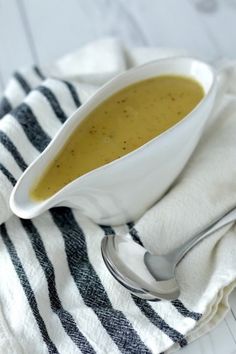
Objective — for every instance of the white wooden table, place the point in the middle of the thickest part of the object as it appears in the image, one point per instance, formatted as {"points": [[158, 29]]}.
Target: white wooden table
{"points": [[38, 31]]}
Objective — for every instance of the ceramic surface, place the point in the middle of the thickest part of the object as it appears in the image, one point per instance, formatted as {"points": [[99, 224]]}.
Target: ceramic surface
{"points": [[122, 190]]}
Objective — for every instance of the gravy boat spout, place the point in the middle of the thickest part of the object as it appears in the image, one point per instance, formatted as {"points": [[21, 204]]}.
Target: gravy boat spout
{"points": [[124, 189]]}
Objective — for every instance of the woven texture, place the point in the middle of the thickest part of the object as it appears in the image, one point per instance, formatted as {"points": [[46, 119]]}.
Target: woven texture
{"points": [[56, 294]]}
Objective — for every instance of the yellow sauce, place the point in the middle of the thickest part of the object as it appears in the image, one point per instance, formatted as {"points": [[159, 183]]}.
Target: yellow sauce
{"points": [[121, 124]]}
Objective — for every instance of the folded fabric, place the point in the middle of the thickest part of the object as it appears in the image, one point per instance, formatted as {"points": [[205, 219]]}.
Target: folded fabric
{"points": [[56, 294]]}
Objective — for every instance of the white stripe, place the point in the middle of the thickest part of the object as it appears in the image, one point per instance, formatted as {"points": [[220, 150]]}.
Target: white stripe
{"points": [[172, 316], [14, 92], [9, 162], [43, 112], [38, 283], [15, 132], [121, 229], [85, 91], [166, 310], [31, 77], [8, 342], [16, 309], [120, 297], [71, 299], [63, 95], [5, 190]]}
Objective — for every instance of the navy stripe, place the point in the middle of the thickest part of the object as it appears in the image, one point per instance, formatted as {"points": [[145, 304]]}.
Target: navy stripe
{"points": [[36, 135], [65, 317], [27, 289], [22, 81], [38, 72], [176, 303], [90, 286], [108, 230], [8, 144], [184, 311], [7, 174], [5, 107], [73, 93], [148, 311], [134, 233], [46, 92]]}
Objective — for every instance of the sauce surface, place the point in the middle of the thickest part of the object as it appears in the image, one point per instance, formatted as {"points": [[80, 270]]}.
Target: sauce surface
{"points": [[119, 125]]}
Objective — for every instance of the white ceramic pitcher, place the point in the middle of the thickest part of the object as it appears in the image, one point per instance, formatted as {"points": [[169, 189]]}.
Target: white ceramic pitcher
{"points": [[124, 189]]}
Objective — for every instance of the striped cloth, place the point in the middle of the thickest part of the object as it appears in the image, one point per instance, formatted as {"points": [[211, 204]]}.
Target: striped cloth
{"points": [[56, 295]]}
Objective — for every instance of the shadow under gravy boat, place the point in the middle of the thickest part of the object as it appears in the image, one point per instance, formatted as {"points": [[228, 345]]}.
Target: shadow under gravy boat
{"points": [[124, 189]]}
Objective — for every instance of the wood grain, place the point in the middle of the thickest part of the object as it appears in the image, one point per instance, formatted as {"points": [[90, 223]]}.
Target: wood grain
{"points": [[15, 49], [218, 341]]}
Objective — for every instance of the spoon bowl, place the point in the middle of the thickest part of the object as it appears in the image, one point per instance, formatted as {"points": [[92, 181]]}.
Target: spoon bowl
{"points": [[148, 276], [123, 258]]}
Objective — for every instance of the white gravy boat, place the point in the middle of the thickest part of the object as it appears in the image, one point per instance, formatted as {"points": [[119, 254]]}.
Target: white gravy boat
{"points": [[125, 188]]}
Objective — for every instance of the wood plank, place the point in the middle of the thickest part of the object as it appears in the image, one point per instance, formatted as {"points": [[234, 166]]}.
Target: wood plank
{"points": [[218, 19], [233, 303], [231, 323], [218, 341], [27, 28], [1, 83], [170, 25], [15, 50], [66, 25], [69, 24]]}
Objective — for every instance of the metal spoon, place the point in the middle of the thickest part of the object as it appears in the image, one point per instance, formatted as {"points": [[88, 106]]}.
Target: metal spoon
{"points": [[150, 276]]}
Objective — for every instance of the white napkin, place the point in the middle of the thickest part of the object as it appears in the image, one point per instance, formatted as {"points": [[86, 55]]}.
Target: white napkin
{"points": [[56, 295]]}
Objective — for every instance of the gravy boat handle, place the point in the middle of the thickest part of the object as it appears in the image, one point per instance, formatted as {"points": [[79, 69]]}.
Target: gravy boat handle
{"points": [[224, 71]]}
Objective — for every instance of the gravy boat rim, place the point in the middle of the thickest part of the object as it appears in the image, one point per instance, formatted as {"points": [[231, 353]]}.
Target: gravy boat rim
{"points": [[86, 104]]}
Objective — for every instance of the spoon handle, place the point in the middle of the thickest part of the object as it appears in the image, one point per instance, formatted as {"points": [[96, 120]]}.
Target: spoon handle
{"points": [[217, 224]]}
